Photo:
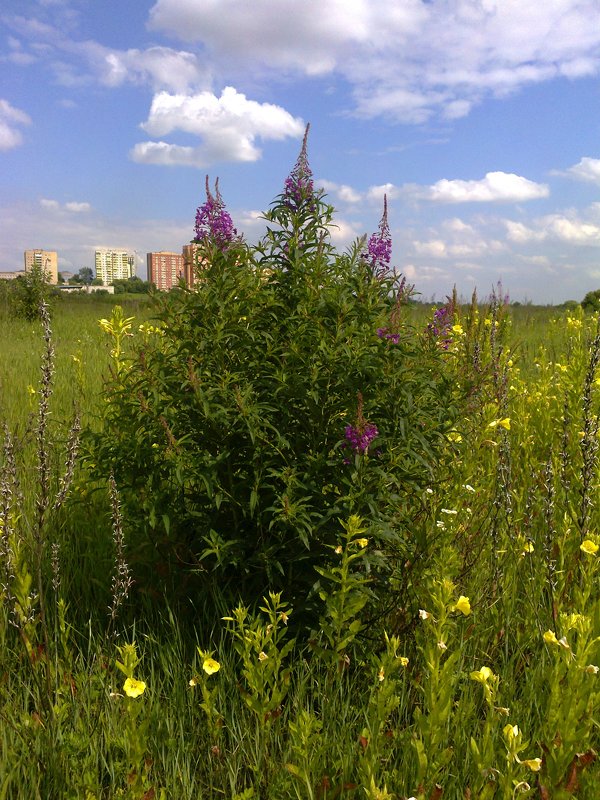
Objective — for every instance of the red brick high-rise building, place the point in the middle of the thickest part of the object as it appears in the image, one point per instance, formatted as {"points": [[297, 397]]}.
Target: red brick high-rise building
{"points": [[165, 269]]}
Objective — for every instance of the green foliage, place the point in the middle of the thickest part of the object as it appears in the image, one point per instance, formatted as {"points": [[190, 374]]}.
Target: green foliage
{"points": [[225, 433], [591, 302], [133, 285], [29, 292]]}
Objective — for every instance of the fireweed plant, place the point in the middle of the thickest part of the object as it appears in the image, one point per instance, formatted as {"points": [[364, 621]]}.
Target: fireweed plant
{"points": [[236, 438]]}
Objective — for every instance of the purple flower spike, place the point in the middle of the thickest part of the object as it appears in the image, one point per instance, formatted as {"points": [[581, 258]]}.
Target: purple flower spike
{"points": [[360, 435], [359, 439], [379, 247], [441, 327], [298, 185], [213, 222]]}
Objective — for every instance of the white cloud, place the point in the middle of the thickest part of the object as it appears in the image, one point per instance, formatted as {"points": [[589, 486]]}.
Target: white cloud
{"points": [[72, 206], [341, 191], [570, 230], [228, 127], [588, 169], [375, 194], [384, 50], [10, 119], [78, 207], [160, 67], [495, 187]]}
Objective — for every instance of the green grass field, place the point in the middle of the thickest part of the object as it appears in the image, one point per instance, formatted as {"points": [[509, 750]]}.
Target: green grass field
{"points": [[488, 690]]}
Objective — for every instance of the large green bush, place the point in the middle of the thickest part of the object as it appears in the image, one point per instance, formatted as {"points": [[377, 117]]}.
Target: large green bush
{"points": [[282, 394]]}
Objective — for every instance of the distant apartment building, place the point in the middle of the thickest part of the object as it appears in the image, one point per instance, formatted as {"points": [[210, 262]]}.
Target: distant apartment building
{"points": [[47, 260], [165, 269], [114, 265]]}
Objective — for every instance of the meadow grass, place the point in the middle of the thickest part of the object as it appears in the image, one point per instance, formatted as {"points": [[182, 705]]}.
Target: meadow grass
{"points": [[488, 690]]}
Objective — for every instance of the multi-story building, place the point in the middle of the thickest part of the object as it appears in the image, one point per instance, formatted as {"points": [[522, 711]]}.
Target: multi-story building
{"points": [[47, 260], [114, 265], [165, 269]]}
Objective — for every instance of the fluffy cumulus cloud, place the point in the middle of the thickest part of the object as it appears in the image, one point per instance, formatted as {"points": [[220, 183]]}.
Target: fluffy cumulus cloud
{"points": [[495, 187], [227, 126], [159, 67], [11, 119], [588, 169], [384, 50], [569, 229]]}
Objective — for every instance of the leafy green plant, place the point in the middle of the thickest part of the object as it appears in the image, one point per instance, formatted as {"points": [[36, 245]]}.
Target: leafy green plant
{"points": [[241, 434]]}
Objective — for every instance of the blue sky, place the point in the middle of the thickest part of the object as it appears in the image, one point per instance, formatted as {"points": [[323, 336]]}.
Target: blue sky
{"points": [[480, 120]]}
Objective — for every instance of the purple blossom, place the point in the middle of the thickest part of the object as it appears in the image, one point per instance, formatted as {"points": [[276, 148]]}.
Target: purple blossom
{"points": [[379, 248], [213, 222], [360, 435], [359, 438], [384, 333], [441, 326], [298, 185]]}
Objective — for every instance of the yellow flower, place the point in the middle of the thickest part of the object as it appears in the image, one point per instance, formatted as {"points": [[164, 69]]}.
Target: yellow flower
{"points": [[362, 542], [133, 688], [589, 547], [262, 656], [501, 423], [463, 605], [404, 661], [338, 549], [210, 666], [534, 764], [381, 674], [457, 329], [510, 732], [482, 675], [550, 637], [454, 436]]}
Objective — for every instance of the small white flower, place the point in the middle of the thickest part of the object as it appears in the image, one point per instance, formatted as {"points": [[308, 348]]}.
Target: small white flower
{"points": [[449, 511]]}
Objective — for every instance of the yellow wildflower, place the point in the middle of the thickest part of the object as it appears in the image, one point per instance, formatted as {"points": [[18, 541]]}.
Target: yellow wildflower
{"points": [[457, 329], [133, 688], [454, 436], [534, 764], [550, 637], [589, 547], [210, 666], [404, 661], [463, 605], [482, 675], [362, 542], [338, 549], [500, 423], [262, 656], [193, 682], [510, 732]]}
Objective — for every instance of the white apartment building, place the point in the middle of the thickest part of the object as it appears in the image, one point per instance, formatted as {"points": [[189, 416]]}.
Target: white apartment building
{"points": [[114, 265]]}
